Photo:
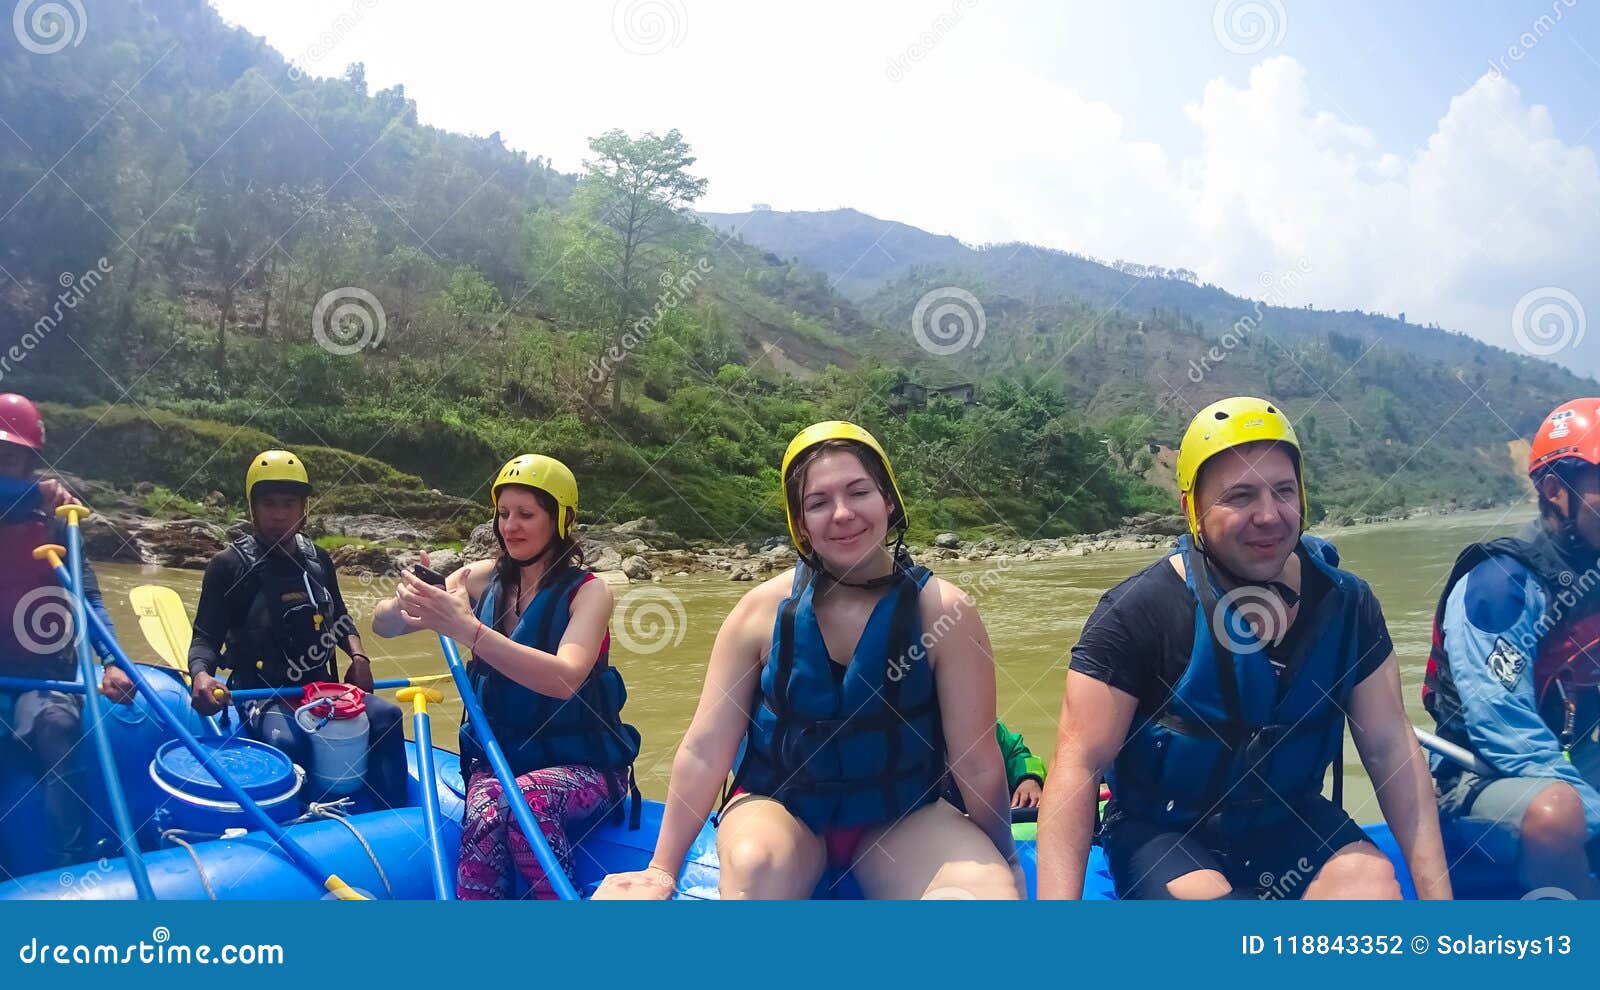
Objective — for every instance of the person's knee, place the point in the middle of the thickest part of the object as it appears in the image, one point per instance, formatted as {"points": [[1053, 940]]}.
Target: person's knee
{"points": [[1199, 885], [382, 716], [1358, 872], [973, 881], [56, 730], [751, 859], [1554, 822]]}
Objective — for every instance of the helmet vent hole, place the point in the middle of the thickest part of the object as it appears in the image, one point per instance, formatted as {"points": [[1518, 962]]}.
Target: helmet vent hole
{"points": [[1221, 415], [1272, 410]]}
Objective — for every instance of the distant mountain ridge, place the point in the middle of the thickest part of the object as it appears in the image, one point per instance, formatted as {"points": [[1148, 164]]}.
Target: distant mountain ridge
{"points": [[861, 254]]}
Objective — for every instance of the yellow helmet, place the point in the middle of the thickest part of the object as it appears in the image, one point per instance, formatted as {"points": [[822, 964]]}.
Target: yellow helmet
{"points": [[546, 474], [835, 429], [279, 468], [1226, 424]]}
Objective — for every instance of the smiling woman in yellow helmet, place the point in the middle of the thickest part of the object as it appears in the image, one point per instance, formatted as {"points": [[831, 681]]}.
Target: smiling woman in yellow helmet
{"points": [[857, 693], [1211, 691], [536, 622]]}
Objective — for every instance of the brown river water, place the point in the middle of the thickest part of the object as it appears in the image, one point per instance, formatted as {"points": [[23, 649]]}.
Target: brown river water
{"points": [[662, 632]]}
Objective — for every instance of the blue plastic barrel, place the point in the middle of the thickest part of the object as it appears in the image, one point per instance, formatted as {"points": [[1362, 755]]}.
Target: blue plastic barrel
{"points": [[197, 803]]}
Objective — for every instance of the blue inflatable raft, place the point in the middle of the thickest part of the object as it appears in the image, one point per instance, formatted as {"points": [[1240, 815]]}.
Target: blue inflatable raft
{"points": [[197, 847]]}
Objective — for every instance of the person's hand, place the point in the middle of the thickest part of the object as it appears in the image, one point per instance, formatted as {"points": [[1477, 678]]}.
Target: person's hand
{"points": [[53, 494], [424, 606], [117, 685], [649, 884], [1027, 794], [359, 673], [208, 695]]}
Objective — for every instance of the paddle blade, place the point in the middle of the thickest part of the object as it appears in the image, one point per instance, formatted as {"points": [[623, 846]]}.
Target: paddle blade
{"points": [[164, 623]]}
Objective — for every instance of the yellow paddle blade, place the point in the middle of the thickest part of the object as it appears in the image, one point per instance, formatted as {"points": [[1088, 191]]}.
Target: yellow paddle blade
{"points": [[164, 623]]}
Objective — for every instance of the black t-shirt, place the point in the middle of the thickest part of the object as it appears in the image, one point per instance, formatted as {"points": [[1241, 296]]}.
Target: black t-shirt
{"points": [[1139, 637], [226, 593]]}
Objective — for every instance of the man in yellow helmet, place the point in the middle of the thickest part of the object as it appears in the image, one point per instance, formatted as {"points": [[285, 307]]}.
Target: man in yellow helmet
{"points": [[1211, 691], [271, 610]]}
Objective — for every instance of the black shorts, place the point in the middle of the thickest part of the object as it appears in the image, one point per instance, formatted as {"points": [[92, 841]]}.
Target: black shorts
{"points": [[1266, 862]]}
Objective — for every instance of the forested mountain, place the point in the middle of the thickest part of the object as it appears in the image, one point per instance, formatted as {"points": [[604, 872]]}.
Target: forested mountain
{"points": [[199, 240]]}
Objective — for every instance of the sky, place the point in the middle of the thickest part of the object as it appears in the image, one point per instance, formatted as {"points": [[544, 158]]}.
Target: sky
{"points": [[1431, 158]]}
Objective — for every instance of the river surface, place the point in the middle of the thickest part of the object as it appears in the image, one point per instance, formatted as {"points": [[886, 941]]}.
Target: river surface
{"points": [[662, 632]]}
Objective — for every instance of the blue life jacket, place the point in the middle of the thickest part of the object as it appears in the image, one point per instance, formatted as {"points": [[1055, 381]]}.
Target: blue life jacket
{"points": [[1571, 598], [535, 730], [1235, 738], [864, 751]]}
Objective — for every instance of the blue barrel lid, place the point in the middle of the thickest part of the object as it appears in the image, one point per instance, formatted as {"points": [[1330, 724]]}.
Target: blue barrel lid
{"points": [[262, 771]]}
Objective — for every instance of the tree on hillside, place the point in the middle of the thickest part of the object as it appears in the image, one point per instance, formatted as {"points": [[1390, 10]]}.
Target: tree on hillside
{"points": [[627, 225]]}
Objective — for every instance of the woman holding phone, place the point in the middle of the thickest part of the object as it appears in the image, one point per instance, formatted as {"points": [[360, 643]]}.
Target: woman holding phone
{"points": [[536, 623]]}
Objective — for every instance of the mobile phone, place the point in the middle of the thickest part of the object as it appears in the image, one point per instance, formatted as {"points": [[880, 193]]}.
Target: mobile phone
{"points": [[428, 574]]}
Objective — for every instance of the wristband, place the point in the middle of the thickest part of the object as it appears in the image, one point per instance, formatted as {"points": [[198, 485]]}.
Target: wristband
{"points": [[474, 644]]}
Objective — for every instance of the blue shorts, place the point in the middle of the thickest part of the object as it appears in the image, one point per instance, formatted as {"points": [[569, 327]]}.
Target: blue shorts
{"points": [[1268, 862]]}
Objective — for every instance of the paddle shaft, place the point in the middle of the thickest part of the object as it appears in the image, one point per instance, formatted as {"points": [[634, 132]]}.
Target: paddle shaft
{"points": [[94, 712], [253, 694], [1458, 755], [443, 888], [479, 724], [296, 852], [261, 694]]}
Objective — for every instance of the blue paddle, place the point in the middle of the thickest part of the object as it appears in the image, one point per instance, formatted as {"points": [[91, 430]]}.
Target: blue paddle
{"points": [[419, 697], [92, 703], [296, 852], [508, 780]]}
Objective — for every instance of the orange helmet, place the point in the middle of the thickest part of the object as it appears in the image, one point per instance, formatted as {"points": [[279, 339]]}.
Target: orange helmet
{"points": [[1572, 430]]}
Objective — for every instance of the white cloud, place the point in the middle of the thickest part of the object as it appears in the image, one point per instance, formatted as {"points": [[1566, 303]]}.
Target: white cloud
{"points": [[1491, 206]]}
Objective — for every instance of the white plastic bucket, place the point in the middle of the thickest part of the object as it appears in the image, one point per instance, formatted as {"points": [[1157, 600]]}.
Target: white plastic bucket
{"points": [[338, 748]]}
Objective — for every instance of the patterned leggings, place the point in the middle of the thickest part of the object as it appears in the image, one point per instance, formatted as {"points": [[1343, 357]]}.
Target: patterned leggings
{"points": [[559, 797]]}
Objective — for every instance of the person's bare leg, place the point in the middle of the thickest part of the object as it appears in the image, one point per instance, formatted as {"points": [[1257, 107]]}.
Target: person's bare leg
{"points": [[1553, 835], [1199, 885], [1357, 872], [766, 853], [934, 853]]}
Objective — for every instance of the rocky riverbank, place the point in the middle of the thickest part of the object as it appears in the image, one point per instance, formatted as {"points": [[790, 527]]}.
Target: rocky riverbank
{"points": [[146, 527]]}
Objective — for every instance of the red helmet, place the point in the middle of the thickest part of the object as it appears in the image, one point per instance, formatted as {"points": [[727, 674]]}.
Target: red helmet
{"points": [[1572, 430], [20, 423]]}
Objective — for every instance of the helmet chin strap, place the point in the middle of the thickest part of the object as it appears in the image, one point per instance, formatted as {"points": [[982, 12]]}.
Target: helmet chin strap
{"points": [[900, 562], [1286, 594], [527, 561]]}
